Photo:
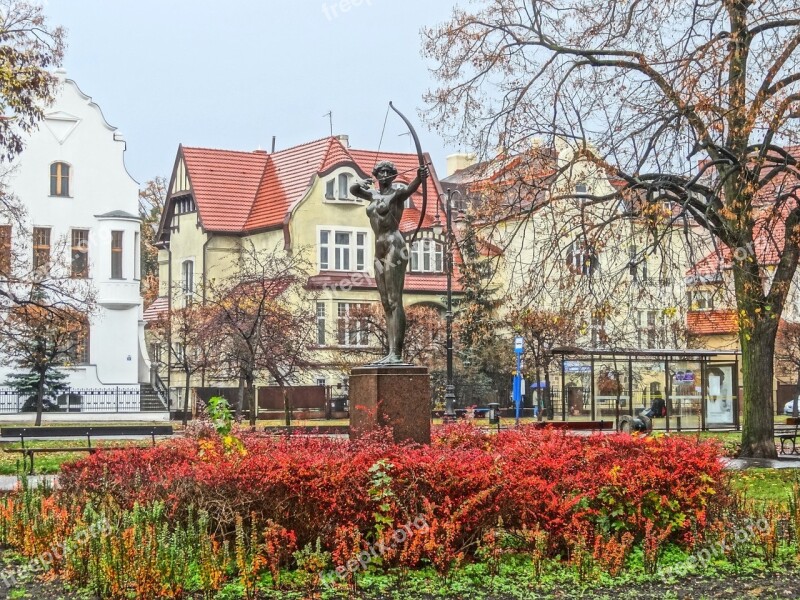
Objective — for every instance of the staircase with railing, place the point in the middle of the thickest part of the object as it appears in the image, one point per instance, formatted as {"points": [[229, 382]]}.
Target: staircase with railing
{"points": [[154, 396]]}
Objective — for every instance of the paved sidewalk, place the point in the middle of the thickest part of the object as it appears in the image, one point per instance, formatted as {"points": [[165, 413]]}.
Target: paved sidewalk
{"points": [[738, 464]]}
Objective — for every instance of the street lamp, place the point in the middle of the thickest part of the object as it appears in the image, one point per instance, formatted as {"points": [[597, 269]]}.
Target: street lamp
{"points": [[450, 390]]}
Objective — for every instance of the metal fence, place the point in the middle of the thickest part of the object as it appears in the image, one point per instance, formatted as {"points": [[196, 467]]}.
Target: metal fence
{"points": [[120, 399]]}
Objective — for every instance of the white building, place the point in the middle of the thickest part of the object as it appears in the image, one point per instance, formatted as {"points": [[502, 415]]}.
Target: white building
{"points": [[71, 179]]}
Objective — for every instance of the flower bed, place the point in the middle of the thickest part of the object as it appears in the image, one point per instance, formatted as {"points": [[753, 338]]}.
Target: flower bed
{"points": [[463, 484]]}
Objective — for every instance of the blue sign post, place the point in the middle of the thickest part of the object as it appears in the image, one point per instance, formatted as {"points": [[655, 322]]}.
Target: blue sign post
{"points": [[518, 347]]}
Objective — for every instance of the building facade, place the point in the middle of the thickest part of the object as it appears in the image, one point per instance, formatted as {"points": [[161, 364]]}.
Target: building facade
{"points": [[81, 202], [295, 201]]}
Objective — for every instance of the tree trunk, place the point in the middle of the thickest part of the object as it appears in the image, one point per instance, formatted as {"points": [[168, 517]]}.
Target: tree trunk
{"points": [[186, 399], [757, 374], [287, 409], [252, 401], [539, 393], [240, 398], [40, 399]]}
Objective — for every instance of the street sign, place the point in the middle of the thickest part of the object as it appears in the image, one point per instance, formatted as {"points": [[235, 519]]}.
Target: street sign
{"points": [[518, 341]]}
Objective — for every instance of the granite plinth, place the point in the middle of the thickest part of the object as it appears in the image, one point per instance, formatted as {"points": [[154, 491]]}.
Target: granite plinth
{"points": [[397, 397]]}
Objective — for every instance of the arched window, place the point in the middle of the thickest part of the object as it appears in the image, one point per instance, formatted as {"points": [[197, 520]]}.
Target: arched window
{"points": [[426, 257], [59, 179], [344, 186]]}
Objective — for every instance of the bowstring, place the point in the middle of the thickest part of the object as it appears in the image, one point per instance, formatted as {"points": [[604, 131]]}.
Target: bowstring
{"points": [[383, 131]]}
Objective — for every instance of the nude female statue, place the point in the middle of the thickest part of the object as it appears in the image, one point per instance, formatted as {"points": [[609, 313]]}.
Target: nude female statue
{"points": [[385, 210]]}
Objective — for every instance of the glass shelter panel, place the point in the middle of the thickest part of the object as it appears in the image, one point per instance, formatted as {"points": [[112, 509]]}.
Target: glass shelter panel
{"points": [[649, 385], [719, 395], [685, 395]]}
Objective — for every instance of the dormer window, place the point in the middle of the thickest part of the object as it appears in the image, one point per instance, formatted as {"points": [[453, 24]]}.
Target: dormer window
{"points": [[59, 179], [409, 203], [344, 186], [337, 187]]}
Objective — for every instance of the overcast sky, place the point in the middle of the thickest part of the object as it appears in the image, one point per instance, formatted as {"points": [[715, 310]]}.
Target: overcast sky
{"points": [[233, 73]]}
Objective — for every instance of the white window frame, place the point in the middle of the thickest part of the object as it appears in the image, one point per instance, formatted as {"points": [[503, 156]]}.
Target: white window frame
{"points": [[337, 187], [187, 287], [343, 185], [579, 252], [322, 334], [707, 297], [430, 250], [356, 250], [648, 326], [353, 338]]}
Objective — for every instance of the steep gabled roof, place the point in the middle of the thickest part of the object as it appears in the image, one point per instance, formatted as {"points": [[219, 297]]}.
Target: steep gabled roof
{"points": [[225, 183], [285, 180], [238, 192]]}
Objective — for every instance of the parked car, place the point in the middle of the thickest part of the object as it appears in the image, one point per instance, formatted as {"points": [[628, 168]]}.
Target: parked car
{"points": [[789, 407]]}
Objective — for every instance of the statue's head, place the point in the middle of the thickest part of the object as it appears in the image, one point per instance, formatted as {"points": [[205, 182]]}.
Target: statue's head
{"points": [[386, 167]]}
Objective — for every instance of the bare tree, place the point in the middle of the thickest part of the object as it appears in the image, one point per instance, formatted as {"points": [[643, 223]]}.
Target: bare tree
{"points": [[152, 199], [266, 321], [40, 336], [188, 334], [424, 341], [692, 103], [28, 48]]}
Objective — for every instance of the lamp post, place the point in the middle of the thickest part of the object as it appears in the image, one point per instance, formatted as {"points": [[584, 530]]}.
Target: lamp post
{"points": [[450, 389]]}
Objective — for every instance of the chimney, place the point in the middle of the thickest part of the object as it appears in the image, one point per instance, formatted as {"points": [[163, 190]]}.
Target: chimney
{"points": [[458, 161], [344, 139]]}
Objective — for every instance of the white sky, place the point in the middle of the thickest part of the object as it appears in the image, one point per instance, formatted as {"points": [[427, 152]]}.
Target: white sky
{"points": [[233, 73]]}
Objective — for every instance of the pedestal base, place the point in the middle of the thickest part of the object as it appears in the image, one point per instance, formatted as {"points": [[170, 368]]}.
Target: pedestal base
{"points": [[397, 397]]}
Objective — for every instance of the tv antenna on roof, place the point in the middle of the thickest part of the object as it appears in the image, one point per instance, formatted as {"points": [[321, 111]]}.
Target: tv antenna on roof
{"points": [[329, 114]]}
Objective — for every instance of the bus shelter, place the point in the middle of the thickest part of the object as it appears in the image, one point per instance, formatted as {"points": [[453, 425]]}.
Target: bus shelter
{"points": [[687, 389]]}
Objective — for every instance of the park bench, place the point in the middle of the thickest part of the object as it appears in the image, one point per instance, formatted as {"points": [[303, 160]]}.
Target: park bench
{"points": [[575, 425], [788, 434], [54, 434]]}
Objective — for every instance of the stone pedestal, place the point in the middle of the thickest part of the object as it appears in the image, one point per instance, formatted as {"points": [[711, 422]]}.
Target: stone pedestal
{"points": [[397, 397]]}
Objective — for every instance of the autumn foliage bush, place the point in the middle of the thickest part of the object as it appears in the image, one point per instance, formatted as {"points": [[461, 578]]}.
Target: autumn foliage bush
{"points": [[575, 491]]}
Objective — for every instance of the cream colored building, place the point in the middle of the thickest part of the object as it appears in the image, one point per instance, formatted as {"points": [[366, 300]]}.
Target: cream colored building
{"points": [[295, 200]]}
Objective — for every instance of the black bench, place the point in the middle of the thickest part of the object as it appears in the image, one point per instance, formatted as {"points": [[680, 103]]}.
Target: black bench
{"points": [[788, 434], [575, 425], [24, 434]]}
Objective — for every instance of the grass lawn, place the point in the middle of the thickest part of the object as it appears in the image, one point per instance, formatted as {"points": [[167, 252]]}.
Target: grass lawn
{"points": [[50, 462], [772, 485]]}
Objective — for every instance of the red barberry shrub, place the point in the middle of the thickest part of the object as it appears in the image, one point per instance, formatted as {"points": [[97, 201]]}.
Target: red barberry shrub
{"points": [[569, 488]]}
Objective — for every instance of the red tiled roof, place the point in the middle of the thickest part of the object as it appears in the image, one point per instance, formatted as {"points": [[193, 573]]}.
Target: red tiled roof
{"points": [[769, 233], [406, 165], [246, 191], [770, 229], [712, 322], [286, 179], [224, 184], [157, 310]]}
